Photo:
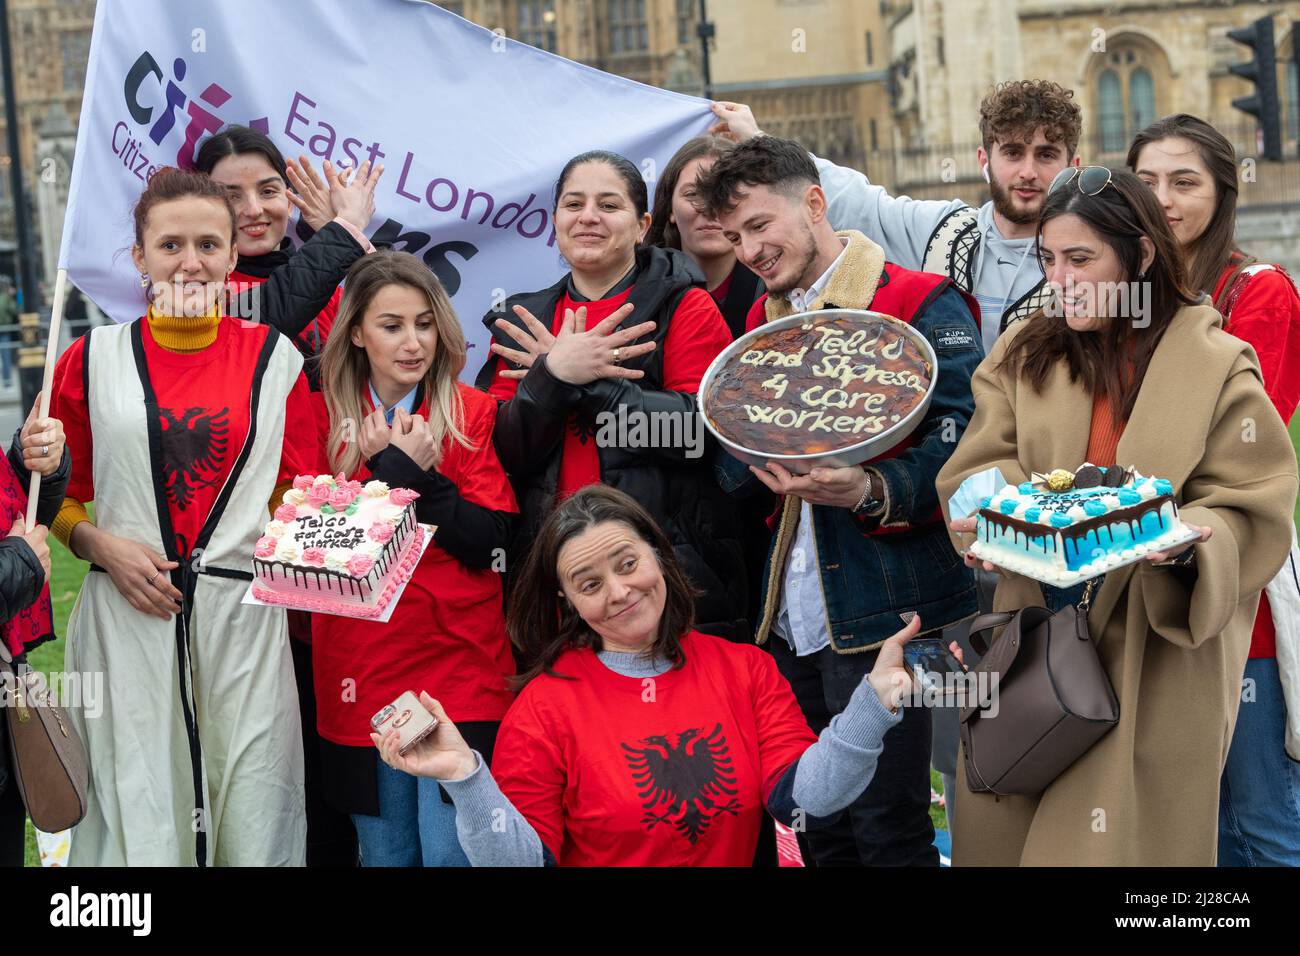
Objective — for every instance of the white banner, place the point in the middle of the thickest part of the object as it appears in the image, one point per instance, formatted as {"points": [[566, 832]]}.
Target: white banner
{"points": [[472, 128]]}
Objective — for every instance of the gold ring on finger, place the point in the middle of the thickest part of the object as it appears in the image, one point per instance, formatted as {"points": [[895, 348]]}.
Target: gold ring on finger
{"points": [[618, 355]]}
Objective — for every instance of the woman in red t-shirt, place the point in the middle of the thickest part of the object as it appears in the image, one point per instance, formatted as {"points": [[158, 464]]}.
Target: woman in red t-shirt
{"points": [[1193, 170], [398, 415], [639, 741], [181, 425], [596, 379]]}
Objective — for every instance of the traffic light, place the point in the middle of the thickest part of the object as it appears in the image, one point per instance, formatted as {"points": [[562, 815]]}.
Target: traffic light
{"points": [[1262, 71]]}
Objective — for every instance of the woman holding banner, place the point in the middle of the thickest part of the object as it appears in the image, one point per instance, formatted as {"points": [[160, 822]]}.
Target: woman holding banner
{"points": [[391, 364], [1192, 168], [181, 425], [610, 354]]}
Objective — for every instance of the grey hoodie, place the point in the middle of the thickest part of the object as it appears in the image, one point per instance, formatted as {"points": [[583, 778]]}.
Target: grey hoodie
{"points": [[1005, 270]]}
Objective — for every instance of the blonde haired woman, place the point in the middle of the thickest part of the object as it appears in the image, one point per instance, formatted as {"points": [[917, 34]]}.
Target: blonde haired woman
{"points": [[397, 414]]}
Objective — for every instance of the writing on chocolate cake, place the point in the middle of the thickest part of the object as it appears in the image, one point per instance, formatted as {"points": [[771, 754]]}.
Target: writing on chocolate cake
{"points": [[833, 357], [827, 383]]}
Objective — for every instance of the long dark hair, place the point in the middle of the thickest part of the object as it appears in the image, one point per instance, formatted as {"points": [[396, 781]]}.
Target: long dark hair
{"points": [[1121, 214], [663, 232], [543, 625], [239, 141], [1208, 255]]}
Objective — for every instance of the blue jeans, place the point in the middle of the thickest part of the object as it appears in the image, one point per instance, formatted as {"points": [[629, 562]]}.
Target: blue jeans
{"points": [[889, 823], [414, 827], [1259, 793]]}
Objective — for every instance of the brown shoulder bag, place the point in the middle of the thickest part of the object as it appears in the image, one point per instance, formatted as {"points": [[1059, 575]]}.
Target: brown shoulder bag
{"points": [[1051, 699], [48, 760]]}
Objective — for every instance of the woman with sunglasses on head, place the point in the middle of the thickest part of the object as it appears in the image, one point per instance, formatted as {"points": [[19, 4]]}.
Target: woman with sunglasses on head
{"points": [[596, 379], [1192, 169], [1163, 389]]}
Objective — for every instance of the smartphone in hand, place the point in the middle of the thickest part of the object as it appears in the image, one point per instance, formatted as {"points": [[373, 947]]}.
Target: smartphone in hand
{"points": [[928, 659], [408, 717]]}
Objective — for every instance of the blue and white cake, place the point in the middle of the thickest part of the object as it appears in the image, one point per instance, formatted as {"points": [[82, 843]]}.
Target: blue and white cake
{"points": [[1075, 533]]}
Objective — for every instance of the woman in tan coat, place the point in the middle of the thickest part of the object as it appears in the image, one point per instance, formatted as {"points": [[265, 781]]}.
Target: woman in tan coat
{"points": [[1124, 369]]}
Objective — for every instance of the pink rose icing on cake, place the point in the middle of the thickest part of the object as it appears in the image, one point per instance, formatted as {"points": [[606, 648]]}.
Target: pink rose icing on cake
{"points": [[349, 558], [402, 496]]}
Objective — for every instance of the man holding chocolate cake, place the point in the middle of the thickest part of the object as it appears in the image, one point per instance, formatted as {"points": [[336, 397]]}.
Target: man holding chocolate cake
{"points": [[855, 547]]}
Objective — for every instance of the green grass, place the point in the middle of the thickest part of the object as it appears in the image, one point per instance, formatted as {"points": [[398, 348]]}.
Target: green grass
{"points": [[1295, 440], [66, 573]]}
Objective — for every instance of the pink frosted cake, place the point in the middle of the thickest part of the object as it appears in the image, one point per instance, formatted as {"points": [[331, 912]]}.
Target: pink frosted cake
{"points": [[338, 546]]}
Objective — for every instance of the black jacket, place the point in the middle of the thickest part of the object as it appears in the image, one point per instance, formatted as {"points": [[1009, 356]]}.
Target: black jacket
{"points": [[298, 284], [21, 575], [675, 484]]}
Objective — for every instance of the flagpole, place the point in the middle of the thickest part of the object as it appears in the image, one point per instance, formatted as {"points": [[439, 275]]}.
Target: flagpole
{"points": [[51, 343]]}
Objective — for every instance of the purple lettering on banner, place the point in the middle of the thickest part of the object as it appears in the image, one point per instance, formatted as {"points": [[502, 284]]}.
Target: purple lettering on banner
{"points": [[429, 190], [540, 229], [295, 115], [327, 150], [519, 211], [175, 100], [551, 241], [470, 196], [262, 124], [350, 150], [401, 180]]}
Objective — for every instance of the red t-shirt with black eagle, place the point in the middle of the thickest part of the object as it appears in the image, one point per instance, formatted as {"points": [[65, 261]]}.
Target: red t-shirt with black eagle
{"points": [[672, 770], [203, 403]]}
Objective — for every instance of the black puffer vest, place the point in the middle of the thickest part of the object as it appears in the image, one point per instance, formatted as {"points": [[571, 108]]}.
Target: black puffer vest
{"points": [[680, 492]]}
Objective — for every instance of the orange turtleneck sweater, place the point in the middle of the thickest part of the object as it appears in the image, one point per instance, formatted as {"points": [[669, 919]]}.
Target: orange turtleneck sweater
{"points": [[174, 335]]}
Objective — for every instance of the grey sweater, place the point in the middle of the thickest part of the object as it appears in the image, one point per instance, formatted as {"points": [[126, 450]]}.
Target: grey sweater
{"points": [[1005, 271], [829, 775]]}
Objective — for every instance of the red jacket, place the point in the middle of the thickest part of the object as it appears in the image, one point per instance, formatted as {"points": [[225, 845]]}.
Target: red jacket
{"points": [[1261, 307]]}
